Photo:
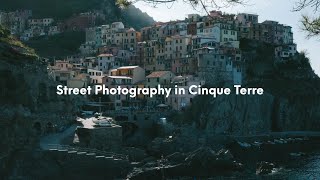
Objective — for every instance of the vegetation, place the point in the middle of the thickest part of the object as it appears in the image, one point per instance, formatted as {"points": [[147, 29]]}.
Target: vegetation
{"points": [[57, 45], [13, 49], [310, 24], [289, 78], [134, 17], [69, 42], [60, 9]]}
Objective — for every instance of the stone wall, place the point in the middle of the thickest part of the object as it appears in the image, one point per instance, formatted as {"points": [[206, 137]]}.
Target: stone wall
{"points": [[104, 138]]}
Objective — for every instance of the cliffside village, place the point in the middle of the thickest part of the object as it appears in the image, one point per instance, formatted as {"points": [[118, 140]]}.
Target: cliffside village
{"points": [[194, 51]]}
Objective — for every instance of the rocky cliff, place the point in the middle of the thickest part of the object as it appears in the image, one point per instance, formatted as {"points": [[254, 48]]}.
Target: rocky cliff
{"points": [[242, 115], [291, 101], [28, 102]]}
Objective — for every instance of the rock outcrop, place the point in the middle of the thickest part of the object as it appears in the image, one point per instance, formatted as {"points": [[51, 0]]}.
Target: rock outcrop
{"points": [[290, 101], [29, 105], [203, 162]]}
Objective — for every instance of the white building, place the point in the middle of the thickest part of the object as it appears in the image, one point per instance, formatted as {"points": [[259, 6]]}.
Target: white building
{"points": [[227, 32], [96, 76], [285, 51], [212, 32], [40, 22], [116, 26], [105, 62]]}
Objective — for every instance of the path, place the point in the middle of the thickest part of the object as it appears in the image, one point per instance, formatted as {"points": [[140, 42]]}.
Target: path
{"points": [[56, 138]]}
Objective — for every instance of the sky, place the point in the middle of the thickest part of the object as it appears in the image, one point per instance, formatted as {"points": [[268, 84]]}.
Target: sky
{"points": [[277, 10]]}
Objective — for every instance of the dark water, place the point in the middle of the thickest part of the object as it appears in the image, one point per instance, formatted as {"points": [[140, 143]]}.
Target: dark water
{"points": [[307, 167], [298, 168]]}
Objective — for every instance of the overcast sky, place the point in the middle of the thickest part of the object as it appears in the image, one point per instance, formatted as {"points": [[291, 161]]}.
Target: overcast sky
{"points": [[278, 10]]}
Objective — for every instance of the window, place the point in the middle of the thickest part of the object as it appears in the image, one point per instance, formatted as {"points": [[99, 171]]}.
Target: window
{"points": [[158, 79]]}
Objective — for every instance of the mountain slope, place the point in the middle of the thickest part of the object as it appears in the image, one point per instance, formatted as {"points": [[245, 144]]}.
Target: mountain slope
{"points": [[61, 9], [67, 43]]}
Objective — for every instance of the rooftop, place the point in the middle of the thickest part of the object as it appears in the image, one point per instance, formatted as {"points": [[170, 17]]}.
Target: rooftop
{"points": [[128, 67], [157, 74], [119, 77], [105, 55]]}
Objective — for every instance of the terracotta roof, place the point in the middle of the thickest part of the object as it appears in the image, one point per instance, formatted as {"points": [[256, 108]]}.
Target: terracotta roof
{"points": [[157, 74]]}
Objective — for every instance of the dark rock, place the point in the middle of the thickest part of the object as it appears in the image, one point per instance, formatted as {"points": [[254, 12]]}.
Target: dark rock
{"points": [[136, 154], [176, 157], [225, 154], [201, 162], [205, 161], [264, 168]]}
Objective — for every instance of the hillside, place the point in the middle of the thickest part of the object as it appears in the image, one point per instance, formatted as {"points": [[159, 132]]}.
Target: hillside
{"points": [[12, 49], [27, 96], [60, 10], [57, 45], [68, 43]]}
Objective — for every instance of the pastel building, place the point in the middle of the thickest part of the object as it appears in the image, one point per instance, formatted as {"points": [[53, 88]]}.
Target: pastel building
{"points": [[125, 77], [181, 101], [96, 76], [156, 78], [61, 72], [220, 65], [105, 62]]}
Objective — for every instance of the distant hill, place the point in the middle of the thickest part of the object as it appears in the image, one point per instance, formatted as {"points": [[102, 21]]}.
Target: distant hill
{"points": [[62, 9], [57, 8], [68, 43]]}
